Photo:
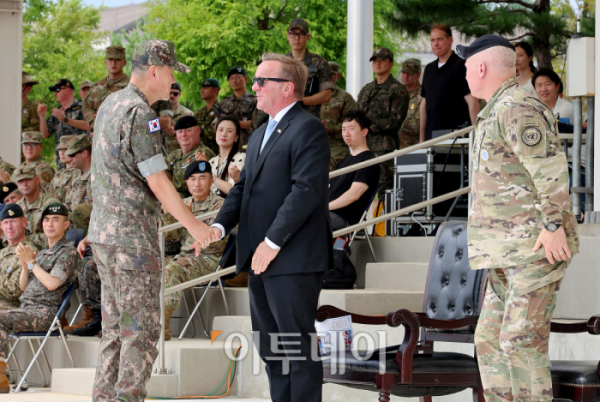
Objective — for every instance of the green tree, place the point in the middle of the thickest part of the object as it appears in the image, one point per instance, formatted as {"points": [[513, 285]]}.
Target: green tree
{"points": [[130, 40], [211, 36]]}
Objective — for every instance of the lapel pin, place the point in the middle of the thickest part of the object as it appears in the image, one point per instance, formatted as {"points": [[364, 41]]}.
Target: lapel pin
{"points": [[279, 131]]}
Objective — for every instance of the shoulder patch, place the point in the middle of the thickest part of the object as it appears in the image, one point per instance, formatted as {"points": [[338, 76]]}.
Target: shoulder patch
{"points": [[531, 136], [154, 125]]}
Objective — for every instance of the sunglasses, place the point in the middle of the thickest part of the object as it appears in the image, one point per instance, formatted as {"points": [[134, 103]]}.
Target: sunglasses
{"points": [[175, 94], [261, 80]]}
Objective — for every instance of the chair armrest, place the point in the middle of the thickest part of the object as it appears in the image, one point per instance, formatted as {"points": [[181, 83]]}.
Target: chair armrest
{"points": [[326, 312], [432, 323], [592, 326]]}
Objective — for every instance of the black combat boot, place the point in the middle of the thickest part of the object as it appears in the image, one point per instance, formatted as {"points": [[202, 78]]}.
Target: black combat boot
{"points": [[93, 327]]}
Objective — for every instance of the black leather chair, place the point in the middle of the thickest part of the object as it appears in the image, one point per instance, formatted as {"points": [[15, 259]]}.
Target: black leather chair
{"points": [[453, 296]]}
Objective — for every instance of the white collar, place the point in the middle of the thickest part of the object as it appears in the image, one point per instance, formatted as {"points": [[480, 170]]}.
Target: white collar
{"points": [[281, 113]]}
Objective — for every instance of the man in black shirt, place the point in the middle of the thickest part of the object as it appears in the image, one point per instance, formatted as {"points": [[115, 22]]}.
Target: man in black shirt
{"points": [[447, 101], [350, 193]]}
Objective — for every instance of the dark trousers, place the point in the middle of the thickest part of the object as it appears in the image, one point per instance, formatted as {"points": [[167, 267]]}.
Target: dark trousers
{"points": [[287, 304]]}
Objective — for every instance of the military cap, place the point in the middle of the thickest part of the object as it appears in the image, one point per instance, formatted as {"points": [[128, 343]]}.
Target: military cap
{"points": [[411, 66], [236, 70], [6, 189], [197, 167], [63, 143], [56, 208], [85, 84], [211, 82], [334, 67], [27, 79], [63, 82], [186, 122], [32, 136], [11, 211], [298, 23], [382, 53], [115, 52], [158, 53], [23, 173], [78, 144], [176, 85], [483, 43]]}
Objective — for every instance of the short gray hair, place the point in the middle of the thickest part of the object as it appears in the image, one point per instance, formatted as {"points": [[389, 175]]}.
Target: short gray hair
{"points": [[291, 70], [499, 58], [139, 69]]}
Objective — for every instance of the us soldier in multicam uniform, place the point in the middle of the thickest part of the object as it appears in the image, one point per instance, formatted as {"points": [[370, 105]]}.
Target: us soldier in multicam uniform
{"points": [[30, 121], [521, 225], [44, 279], [62, 179], [31, 143], [241, 104], [128, 174], [385, 102], [410, 130], [331, 114], [207, 114], [115, 81], [80, 191], [163, 110], [187, 266], [319, 86], [179, 110]]}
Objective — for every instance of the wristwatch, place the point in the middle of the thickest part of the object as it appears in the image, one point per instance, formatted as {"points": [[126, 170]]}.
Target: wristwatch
{"points": [[552, 227], [66, 119], [30, 266]]}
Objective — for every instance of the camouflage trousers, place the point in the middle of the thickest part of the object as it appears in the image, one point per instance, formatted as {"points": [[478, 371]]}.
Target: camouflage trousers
{"points": [[130, 280], [183, 269], [386, 174], [90, 288], [514, 329], [21, 320], [9, 304]]}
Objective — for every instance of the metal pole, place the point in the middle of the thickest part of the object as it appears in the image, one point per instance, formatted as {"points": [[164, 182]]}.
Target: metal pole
{"points": [[577, 153], [430, 169], [589, 154], [359, 45], [161, 341]]}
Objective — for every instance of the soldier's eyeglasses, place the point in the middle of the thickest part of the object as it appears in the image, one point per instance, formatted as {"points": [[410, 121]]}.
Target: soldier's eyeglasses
{"points": [[295, 35], [261, 80], [175, 94]]}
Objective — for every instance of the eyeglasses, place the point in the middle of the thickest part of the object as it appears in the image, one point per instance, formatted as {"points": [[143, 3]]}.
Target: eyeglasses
{"points": [[295, 35], [261, 80], [175, 94], [30, 145]]}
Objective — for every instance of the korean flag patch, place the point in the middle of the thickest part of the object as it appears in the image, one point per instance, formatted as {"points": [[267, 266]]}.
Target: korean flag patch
{"points": [[154, 125]]}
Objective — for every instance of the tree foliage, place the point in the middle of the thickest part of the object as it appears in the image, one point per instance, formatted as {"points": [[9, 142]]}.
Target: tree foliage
{"points": [[211, 36]]}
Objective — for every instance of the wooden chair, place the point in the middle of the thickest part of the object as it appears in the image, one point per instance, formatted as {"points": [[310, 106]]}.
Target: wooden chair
{"points": [[452, 300]]}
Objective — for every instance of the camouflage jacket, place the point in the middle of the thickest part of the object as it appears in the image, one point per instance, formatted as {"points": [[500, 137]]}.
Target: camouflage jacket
{"points": [[319, 74], [7, 167], [42, 169], [60, 128], [331, 113], [163, 108], [205, 118], [180, 112], [242, 109], [33, 213], [126, 151], [98, 93], [386, 105], [10, 269], [61, 261], [215, 250], [30, 119], [520, 181], [62, 182], [411, 130], [80, 191], [178, 163]]}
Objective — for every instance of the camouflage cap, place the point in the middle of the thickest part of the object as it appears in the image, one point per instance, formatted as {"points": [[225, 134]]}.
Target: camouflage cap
{"points": [[6, 189], [56, 208], [32, 136], [23, 173], [411, 66], [158, 53], [78, 144], [334, 67], [11, 211], [86, 84], [64, 141], [27, 79], [211, 82], [382, 53], [115, 52], [298, 23]]}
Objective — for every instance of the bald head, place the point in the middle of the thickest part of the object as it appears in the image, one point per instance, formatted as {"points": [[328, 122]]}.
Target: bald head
{"points": [[488, 69]]}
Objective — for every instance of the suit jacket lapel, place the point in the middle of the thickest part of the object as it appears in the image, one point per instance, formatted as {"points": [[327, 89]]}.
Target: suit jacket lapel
{"points": [[252, 152]]}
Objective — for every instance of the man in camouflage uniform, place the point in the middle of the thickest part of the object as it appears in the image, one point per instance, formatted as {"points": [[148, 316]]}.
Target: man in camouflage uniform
{"points": [[241, 104], [128, 180], [385, 102], [31, 144], [179, 110], [319, 86], [116, 80], [30, 120], [33, 203], [13, 224], [207, 114], [44, 279], [163, 110], [410, 130], [80, 154], [186, 266], [521, 225], [61, 182], [331, 114], [84, 88], [188, 134]]}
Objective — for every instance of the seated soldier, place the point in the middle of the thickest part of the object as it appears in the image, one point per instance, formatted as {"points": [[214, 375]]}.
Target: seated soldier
{"points": [[10, 194], [349, 194], [13, 224], [32, 150], [186, 266], [63, 178], [44, 278]]}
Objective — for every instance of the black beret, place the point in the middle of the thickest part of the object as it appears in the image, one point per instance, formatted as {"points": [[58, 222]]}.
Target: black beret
{"points": [[11, 211], [6, 190], [483, 43], [56, 208], [197, 167], [237, 70], [186, 122]]}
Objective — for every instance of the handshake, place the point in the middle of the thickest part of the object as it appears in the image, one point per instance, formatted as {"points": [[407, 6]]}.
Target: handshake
{"points": [[204, 236]]}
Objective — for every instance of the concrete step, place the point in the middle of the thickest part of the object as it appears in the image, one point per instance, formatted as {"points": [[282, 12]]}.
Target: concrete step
{"points": [[405, 276]]}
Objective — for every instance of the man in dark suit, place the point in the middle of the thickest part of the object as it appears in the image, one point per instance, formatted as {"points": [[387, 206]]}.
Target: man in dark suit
{"points": [[284, 235]]}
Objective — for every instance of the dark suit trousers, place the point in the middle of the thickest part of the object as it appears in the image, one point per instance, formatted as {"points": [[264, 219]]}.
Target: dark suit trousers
{"points": [[287, 304]]}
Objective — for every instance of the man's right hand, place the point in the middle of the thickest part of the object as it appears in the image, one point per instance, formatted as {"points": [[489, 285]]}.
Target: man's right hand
{"points": [[202, 233], [215, 236], [42, 109], [82, 246]]}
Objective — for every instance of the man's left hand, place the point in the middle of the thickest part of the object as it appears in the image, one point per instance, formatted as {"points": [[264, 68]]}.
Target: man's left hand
{"points": [[25, 254], [555, 244], [59, 114], [263, 257]]}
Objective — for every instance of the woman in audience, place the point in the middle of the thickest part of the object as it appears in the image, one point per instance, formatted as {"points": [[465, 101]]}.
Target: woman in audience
{"points": [[525, 67]]}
